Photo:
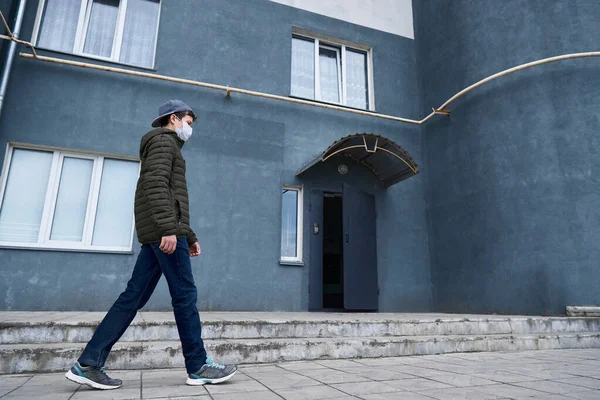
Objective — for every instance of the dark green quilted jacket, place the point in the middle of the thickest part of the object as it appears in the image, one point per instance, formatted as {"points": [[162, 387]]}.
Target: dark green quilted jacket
{"points": [[161, 197]]}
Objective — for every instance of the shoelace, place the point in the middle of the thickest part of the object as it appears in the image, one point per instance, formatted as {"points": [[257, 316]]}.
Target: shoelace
{"points": [[104, 374], [210, 362], [214, 364]]}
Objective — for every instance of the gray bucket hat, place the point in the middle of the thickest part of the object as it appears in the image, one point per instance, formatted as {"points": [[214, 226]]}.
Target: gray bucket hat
{"points": [[171, 107]]}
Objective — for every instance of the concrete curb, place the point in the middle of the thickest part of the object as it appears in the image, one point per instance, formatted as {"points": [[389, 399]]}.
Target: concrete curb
{"points": [[167, 354], [70, 332]]}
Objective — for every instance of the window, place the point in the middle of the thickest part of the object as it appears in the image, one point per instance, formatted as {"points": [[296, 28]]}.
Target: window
{"points": [[115, 30], [68, 201], [291, 225], [332, 71]]}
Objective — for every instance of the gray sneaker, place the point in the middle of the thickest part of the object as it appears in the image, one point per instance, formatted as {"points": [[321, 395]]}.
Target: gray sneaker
{"points": [[211, 372], [93, 377]]}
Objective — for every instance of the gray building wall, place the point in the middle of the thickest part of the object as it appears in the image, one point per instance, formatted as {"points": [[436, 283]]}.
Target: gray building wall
{"points": [[6, 6], [513, 174], [242, 152]]}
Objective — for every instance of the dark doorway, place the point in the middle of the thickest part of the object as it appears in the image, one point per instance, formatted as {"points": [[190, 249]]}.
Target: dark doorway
{"points": [[343, 253], [333, 250]]}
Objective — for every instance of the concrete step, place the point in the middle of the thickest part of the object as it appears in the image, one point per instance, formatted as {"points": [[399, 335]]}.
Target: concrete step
{"points": [[583, 311], [78, 327], [50, 357]]}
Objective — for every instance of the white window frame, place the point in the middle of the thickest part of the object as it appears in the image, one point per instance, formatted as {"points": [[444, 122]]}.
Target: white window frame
{"points": [[340, 45], [341, 78], [82, 28], [44, 242], [299, 225]]}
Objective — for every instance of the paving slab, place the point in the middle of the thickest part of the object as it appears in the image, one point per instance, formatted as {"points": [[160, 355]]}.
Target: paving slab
{"points": [[510, 391], [287, 381], [589, 395], [338, 364], [10, 384], [86, 393], [44, 387], [589, 383], [552, 387], [461, 380], [542, 374], [361, 388], [240, 387], [301, 365], [395, 396], [199, 397], [178, 390], [418, 371], [247, 396], [502, 376], [333, 376], [310, 393], [458, 394], [417, 384], [475, 376], [378, 374]]}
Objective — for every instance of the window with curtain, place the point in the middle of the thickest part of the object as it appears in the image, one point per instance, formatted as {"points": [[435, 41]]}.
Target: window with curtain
{"points": [[357, 93], [291, 224], [67, 201], [331, 72], [303, 68], [116, 30]]}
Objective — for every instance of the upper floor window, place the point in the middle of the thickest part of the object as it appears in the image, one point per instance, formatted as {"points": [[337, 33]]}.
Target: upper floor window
{"points": [[115, 30], [55, 199], [331, 70]]}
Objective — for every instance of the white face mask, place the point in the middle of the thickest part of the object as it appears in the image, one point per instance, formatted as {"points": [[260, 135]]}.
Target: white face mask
{"points": [[185, 132]]}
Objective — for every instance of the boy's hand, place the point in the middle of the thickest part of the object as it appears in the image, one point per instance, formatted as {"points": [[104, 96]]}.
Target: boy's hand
{"points": [[168, 244], [195, 250]]}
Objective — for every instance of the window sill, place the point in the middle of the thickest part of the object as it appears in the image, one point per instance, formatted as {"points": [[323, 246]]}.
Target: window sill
{"points": [[334, 104], [68, 250], [291, 263], [91, 57]]}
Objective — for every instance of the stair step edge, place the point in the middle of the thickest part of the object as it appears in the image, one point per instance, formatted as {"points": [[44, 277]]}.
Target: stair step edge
{"points": [[383, 339]]}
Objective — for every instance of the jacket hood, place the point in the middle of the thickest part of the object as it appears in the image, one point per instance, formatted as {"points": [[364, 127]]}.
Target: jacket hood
{"points": [[155, 132]]}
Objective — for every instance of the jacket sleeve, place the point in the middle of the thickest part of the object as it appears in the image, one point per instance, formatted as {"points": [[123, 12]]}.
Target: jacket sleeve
{"points": [[191, 237], [159, 163]]}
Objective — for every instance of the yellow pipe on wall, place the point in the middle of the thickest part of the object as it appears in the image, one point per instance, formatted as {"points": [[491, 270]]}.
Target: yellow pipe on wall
{"points": [[228, 90]]}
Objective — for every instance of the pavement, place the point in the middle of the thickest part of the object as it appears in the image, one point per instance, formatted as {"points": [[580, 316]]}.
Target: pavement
{"points": [[543, 374]]}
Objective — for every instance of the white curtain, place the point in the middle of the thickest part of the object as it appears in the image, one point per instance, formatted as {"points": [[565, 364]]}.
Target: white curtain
{"points": [[24, 196], [72, 200], [328, 69], [114, 214], [303, 68], [139, 34], [101, 28], [357, 94], [59, 24], [289, 223]]}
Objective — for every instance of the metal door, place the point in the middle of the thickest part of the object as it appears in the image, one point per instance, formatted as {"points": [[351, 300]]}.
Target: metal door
{"points": [[361, 288], [315, 285]]}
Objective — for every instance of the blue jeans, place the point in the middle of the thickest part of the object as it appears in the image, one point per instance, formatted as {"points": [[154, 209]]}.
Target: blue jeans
{"points": [[150, 266]]}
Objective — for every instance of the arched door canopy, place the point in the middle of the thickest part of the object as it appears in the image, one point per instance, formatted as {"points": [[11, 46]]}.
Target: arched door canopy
{"points": [[386, 159]]}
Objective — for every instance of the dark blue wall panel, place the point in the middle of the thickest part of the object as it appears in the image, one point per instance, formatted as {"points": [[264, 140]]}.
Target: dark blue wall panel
{"points": [[513, 174], [242, 152]]}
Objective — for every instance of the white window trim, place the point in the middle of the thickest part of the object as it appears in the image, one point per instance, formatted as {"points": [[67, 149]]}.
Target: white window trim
{"points": [[332, 43], [81, 32], [44, 242], [338, 62], [299, 225]]}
